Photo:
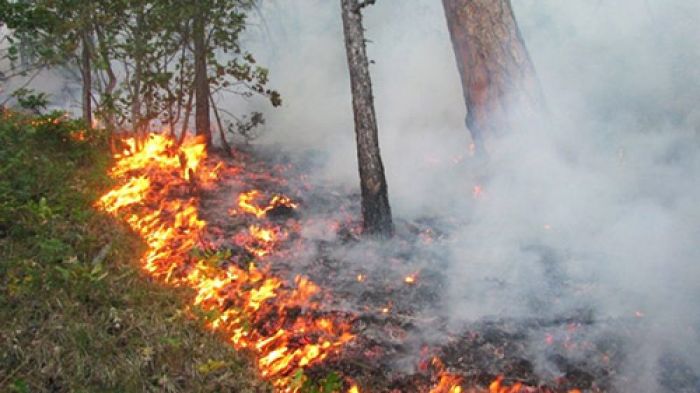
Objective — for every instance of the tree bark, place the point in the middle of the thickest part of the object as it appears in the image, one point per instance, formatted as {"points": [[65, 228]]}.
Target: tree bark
{"points": [[86, 71], [186, 121], [376, 212], [201, 80], [220, 125], [498, 77]]}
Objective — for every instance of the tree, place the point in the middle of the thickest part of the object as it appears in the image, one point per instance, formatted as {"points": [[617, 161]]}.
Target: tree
{"points": [[497, 74], [19, 22], [142, 61], [86, 73], [210, 30], [376, 212], [202, 116], [71, 38], [60, 32]]}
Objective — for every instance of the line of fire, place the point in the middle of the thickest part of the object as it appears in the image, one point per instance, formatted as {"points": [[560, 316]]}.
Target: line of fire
{"points": [[519, 231]]}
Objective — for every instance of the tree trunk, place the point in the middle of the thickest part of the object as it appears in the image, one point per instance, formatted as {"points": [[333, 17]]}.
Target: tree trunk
{"points": [[220, 125], [201, 80], [107, 99], [186, 121], [139, 50], [85, 70], [376, 212], [498, 77]]}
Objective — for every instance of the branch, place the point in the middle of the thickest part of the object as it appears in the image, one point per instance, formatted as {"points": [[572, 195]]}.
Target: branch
{"points": [[24, 85], [220, 124], [364, 4]]}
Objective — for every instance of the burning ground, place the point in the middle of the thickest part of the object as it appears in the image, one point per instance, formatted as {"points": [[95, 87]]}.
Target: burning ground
{"points": [[278, 269]]}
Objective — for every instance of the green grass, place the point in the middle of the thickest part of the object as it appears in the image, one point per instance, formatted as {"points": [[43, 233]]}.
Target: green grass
{"points": [[76, 315]]}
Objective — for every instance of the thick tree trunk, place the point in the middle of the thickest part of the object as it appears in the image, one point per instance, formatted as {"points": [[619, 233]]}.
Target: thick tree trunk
{"points": [[498, 77], [86, 71], [376, 212], [201, 81]]}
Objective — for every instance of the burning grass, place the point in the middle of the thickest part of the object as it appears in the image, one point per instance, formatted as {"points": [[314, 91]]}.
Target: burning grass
{"points": [[244, 261], [275, 276], [76, 313], [279, 322]]}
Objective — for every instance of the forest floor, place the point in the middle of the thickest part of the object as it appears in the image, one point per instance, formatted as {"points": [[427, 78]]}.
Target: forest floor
{"points": [[77, 315]]}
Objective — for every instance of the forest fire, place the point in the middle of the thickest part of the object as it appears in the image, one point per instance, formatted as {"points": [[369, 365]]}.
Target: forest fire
{"points": [[247, 204], [490, 198], [281, 322], [242, 300]]}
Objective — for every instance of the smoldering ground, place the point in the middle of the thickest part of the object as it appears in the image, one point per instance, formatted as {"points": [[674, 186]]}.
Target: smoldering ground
{"points": [[595, 210]]}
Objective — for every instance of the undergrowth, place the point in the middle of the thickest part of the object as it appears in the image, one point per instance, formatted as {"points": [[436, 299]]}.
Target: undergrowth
{"points": [[75, 313]]}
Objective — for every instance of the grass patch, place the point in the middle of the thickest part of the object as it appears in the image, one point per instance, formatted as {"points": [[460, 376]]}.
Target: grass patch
{"points": [[77, 315]]}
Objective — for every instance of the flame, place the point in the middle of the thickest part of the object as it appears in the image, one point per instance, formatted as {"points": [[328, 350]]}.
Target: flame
{"points": [[448, 383], [238, 302], [411, 279], [260, 241], [478, 192], [97, 123], [247, 204], [280, 323], [78, 136], [497, 386]]}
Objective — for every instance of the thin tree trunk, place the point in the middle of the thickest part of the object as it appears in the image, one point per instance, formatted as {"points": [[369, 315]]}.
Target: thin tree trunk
{"points": [[498, 77], [138, 75], [186, 121], [174, 117], [108, 93], [86, 71], [376, 212], [220, 125], [201, 80]]}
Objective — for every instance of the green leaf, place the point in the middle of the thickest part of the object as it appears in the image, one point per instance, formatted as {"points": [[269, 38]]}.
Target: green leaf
{"points": [[20, 386]]}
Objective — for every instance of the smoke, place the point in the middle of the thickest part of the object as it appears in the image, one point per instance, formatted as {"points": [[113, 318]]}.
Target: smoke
{"points": [[595, 210]]}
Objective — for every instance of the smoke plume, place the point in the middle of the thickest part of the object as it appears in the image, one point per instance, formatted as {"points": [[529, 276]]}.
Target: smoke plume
{"points": [[596, 209]]}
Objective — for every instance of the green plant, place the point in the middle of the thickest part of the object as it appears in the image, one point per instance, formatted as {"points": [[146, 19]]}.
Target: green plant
{"points": [[331, 383], [30, 100]]}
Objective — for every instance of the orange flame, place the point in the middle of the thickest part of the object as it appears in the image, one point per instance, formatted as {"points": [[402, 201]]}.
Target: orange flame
{"points": [[411, 279], [247, 203], [237, 301], [258, 311]]}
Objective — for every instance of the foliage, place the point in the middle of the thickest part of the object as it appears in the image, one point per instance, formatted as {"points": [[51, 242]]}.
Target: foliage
{"points": [[76, 314], [247, 126], [22, 21], [169, 78], [141, 52], [331, 383], [31, 100]]}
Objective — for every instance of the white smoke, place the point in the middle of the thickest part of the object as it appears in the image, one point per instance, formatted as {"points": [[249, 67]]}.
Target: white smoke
{"points": [[608, 188], [597, 209]]}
